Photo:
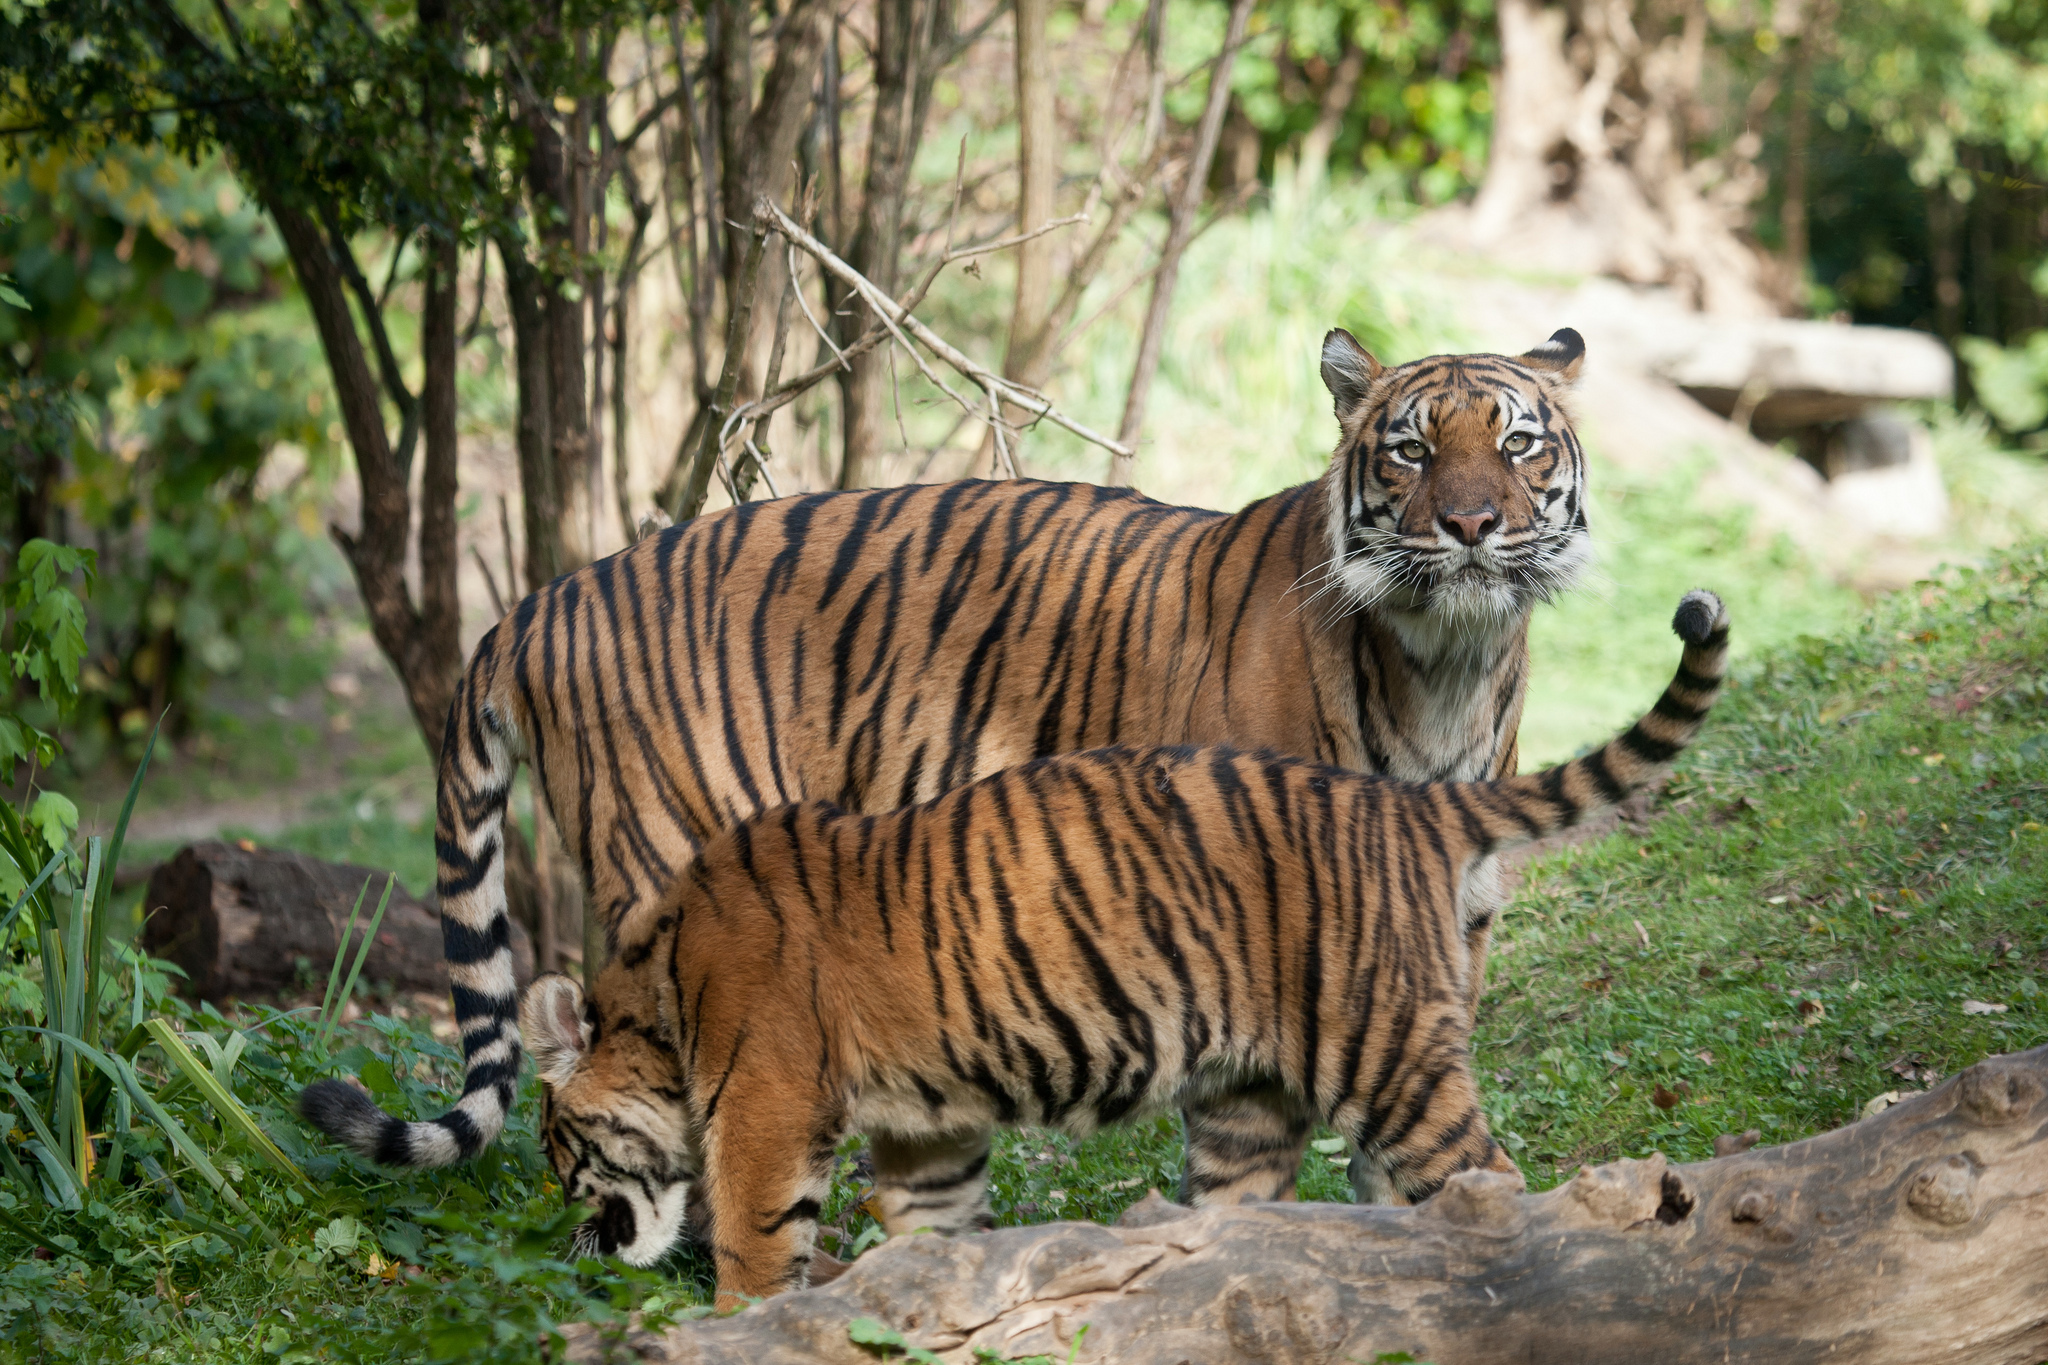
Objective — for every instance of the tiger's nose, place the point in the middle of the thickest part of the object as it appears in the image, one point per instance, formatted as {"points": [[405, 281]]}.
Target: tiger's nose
{"points": [[1470, 527]]}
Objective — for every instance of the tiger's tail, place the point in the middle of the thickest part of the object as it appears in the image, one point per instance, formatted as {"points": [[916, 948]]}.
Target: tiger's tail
{"points": [[1541, 804], [478, 759]]}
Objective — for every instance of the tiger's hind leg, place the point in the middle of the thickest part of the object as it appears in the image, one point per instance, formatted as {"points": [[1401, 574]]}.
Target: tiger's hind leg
{"points": [[932, 1182], [1245, 1142], [1428, 1127]]}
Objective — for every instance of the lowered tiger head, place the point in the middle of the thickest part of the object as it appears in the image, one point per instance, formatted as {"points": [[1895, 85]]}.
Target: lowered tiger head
{"points": [[1458, 494], [612, 1120]]}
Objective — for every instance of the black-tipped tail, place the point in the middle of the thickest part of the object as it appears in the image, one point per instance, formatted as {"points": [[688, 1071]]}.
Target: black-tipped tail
{"points": [[353, 1119], [1561, 797]]}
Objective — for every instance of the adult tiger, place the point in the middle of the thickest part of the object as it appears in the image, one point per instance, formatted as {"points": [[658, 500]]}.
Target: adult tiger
{"points": [[1077, 941], [880, 647]]}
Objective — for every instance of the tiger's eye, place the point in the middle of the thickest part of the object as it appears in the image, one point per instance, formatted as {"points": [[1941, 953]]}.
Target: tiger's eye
{"points": [[1412, 451], [1516, 443]]}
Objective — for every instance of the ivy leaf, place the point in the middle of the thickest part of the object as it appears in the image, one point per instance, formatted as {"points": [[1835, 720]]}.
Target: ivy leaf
{"points": [[54, 817]]}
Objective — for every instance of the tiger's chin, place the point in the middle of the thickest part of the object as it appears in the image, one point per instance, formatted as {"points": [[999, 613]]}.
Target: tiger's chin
{"points": [[635, 1228]]}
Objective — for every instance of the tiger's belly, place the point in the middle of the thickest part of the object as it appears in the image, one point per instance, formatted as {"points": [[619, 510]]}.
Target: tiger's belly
{"points": [[930, 1099]]}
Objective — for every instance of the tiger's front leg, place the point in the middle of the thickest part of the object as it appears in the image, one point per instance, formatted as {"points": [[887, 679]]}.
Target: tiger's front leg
{"points": [[937, 1182], [768, 1170], [1244, 1142]]}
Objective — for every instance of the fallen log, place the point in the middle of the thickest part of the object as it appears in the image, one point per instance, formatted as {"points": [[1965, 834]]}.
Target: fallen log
{"points": [[1920, 1233], [242, 921]]}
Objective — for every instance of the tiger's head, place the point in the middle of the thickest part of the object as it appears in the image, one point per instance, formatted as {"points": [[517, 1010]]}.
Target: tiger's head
{"points": [[1458, 494], [612, 1120]]}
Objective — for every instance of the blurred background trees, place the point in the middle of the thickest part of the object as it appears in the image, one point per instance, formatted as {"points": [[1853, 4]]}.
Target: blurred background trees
{"points": [[412, 300]]}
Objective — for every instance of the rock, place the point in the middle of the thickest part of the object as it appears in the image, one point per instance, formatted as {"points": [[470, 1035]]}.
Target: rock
{"points": [[1912, 1235], [240, 921]]}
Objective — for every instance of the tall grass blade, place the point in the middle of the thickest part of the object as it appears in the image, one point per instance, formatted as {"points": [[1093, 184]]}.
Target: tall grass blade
{"points": [[21, 901], [100, 886], [362, 955], [222, 1099], [61, 1179], [119, 1070], [340, 955]]}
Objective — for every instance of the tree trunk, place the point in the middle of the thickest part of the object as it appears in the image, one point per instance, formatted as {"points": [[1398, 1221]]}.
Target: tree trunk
{"points": [[376, 552], [1798, 139], [1587, 172], [542, 517], [1028, 357], [902, 76], [1179, 232], [258, 921], [1911, 1236], [1335, 103], [551, 177]]}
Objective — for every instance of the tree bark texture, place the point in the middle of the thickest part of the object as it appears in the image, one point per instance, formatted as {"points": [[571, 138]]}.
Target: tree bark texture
{"points": [[376, 553], [1029, 359], [903, 71], [1179, 232], [1588, 168], [1914, 1235], [241, 921], [542, 518]]}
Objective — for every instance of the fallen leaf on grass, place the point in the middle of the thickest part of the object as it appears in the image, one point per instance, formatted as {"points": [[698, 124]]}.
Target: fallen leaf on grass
{"points": [[1662, 1098], [1812, 1009], [1705, 1056], [1982, 1007], [1877, 1104], [1602, 983], [1642, 933]]}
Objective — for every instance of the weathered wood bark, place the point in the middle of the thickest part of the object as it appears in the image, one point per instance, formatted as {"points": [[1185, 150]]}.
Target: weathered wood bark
{"points": [[239, 921], [1589, 168], [1914, 1235]]}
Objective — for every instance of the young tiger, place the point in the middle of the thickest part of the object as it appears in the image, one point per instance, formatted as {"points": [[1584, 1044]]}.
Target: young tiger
{"points": [[1076, 941], [879, 647]]}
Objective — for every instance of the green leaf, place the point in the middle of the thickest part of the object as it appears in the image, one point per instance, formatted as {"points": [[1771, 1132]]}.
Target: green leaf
{"points": [[10, 296], [222, 1099], [338, 1238], [54, 817], [869, 1332]]}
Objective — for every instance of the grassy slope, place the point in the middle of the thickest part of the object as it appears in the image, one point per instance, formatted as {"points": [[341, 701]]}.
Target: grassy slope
{"points": [[1902, 765]]}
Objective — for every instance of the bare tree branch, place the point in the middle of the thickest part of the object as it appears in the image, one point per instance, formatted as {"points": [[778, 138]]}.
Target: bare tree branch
{"points": [[901, 321]]}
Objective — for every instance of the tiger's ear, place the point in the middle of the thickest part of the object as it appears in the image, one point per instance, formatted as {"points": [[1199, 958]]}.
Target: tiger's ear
{"points": [[551, 1024], [1564, 355], [1348, 370]]}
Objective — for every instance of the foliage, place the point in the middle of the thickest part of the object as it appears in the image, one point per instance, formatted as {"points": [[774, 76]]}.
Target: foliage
{"points": [[46, 627], [157, 312], [1422, 110], [2010, 382]]}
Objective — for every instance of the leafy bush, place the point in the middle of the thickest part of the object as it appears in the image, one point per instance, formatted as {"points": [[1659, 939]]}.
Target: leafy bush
{"points": [[158, 364], [2011, 382]]}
